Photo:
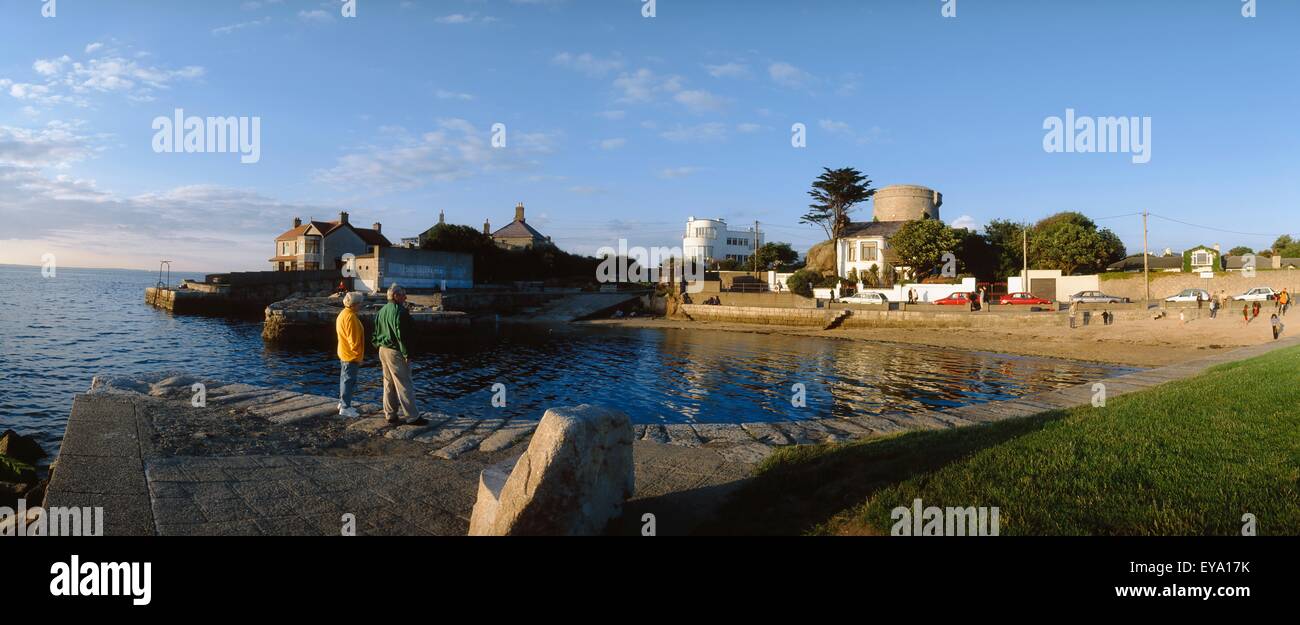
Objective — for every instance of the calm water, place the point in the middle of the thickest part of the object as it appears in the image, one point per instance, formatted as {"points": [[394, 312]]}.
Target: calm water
{"points": [[56, 334]]}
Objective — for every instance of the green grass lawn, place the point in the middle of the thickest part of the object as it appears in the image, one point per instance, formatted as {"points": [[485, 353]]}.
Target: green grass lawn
{"points": [[1187, 457]]}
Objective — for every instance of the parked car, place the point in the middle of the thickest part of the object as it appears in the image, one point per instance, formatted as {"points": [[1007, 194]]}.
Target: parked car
{"points": [[1024, 299], [1190, 295], [1257, 294], [865, 298], [1096, 297], [956, 299]]}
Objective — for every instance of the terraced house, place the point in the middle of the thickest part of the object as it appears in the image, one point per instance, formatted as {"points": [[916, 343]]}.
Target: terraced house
{"points": [[317, 245]]}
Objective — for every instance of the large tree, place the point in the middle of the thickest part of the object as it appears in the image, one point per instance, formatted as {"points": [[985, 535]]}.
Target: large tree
{"points": [[1072, 243], [835, 193], [1006, 238], [1286, 247], [921, 245], [777, 254]]}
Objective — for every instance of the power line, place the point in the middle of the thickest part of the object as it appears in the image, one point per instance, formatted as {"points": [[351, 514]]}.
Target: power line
{"points": [[1249, 234]]}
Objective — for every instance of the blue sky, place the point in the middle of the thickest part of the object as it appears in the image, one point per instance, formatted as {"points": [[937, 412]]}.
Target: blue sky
{"points": [[619, 125]]}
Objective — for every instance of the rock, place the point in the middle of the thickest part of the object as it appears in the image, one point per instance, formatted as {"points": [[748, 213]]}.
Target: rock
{"points": [[11, 492], [821, 258], [572, 479], [21, 448]]}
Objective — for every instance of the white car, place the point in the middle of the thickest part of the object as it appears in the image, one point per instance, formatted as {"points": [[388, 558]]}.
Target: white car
{"points": [[865, 298], [1257, 294], [1190, 295]]}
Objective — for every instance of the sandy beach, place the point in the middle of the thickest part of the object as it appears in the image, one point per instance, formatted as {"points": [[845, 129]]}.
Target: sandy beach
{"points": [[1137, 342]]}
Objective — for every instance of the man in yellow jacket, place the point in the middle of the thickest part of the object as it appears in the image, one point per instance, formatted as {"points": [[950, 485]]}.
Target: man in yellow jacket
{"points": [[352, 347]]}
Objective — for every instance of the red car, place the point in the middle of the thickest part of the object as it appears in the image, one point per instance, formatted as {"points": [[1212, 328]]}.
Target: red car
{"points": [[956, 299], [1023, 298]]}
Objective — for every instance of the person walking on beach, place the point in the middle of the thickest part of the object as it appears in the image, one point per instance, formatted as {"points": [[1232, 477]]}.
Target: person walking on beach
{"points": [[1245, 313], [1074, 312], [1214, 306], [394, 329], [1277, 326], [1284, 301], [1254, 311], [352, 347]]}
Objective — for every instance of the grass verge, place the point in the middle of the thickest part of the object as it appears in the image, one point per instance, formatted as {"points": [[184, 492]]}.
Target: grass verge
{"points": [[1186, 458]]}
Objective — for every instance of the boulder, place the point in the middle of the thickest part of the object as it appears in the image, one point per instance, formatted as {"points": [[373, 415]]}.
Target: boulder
{"points": [[21, 448], [821, 258], [571, 481]]}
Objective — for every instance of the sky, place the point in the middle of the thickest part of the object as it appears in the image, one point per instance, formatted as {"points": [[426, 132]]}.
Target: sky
{"points": [[617, 125]]}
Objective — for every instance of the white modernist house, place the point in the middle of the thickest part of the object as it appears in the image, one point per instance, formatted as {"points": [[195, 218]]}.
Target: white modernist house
{"points": [[707, 240]]}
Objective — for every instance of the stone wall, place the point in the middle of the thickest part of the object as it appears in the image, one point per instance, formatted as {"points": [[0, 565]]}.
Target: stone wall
{"points": [[1233, 282], [818, 317]]}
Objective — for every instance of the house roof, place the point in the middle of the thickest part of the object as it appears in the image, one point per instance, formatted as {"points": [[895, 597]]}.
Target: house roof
{"points": [[1154, 262], [860, 229], [369, 235], [1261, 262], [518, 230]]}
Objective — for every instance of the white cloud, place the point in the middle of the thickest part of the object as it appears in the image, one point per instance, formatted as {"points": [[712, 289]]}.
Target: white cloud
{"points": [[748, 128], [443, 94], [454, 150], [66, 81], [711, 131], [315, 15], [588, 63], [728, 70], [699, 101], [92, 48], [835, 127], [643, 85], [226, 30], [612, 115], [56, 146], [613, 144], [50, 67], [788, 75], [965, 221], [677, 172], [455, 18]]}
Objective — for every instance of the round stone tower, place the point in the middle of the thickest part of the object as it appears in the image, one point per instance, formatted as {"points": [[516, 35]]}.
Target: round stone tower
{"points": [[905, 202]]}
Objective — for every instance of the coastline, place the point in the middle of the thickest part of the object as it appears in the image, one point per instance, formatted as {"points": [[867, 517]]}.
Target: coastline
{"points": [[1140, 343]]}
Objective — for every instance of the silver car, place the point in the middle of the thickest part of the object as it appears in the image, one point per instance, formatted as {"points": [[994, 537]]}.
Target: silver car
{"points": [[1257, 294], [1190, 295], [1096, 297]]}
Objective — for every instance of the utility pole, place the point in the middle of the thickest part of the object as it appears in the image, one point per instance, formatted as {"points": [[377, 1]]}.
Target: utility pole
{"points": [[1024, 256], [755, 252], [1146, 261]]}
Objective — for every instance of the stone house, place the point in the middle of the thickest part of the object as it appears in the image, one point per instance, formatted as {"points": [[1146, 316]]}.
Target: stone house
{"points": [[315, 245], [518, 234]]}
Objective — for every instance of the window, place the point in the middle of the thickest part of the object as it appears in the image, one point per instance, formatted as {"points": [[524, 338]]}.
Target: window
{"points": [[869, 250], [1201, 258], [853, 256]]}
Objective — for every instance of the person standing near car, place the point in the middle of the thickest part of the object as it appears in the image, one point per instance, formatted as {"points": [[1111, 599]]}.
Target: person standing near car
{"points": [[1074, 312]]}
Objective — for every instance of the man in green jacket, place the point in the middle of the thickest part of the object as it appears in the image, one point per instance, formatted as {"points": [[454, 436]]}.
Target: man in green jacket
{"points": [[394, 329]]}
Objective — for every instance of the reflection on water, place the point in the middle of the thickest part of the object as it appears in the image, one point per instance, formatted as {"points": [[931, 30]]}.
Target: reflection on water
{"points": [[58, 333]]}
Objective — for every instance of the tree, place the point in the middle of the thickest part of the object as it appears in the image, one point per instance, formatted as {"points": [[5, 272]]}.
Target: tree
{"points": [[836, 192], [1286, 247], [1006, 240], [1240, 250], [772, 255], [802, 281], [1071, 242], [921, 245], [455, 238]]}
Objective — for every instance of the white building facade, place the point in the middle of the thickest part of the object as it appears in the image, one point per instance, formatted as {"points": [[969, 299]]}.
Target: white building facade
{"points": [[708, 240]]}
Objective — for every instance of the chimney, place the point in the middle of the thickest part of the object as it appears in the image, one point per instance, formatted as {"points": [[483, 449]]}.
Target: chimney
{"points": [[343, 217], [297, 221], [378, 227], [487, 228], [519, 212], [1216, 247]]}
